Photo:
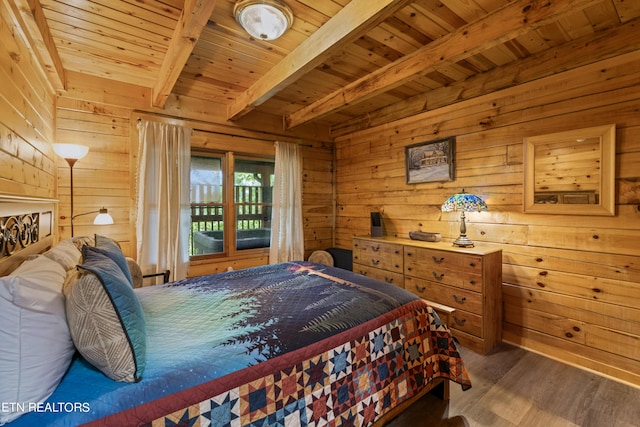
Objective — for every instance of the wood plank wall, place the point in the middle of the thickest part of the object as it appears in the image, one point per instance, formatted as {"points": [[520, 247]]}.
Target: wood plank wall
{"points": [[102, 178], [101, 114], [106, 176], [571, 284], [27, 161], [317, 182]]}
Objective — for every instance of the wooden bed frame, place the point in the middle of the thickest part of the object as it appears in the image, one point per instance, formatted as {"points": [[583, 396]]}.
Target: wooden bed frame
{"points": [[439, 386], [12, 211]]}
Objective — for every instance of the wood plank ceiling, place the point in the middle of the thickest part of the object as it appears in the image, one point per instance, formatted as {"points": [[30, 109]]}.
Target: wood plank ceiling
{"points": [[346, 64]]}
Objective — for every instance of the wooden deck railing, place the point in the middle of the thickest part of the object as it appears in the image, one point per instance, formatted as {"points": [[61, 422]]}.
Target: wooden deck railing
{"points": [[251, 212]]}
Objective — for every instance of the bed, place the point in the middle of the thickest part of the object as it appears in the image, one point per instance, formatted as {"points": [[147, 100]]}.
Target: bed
{"points": [[288, 344]]}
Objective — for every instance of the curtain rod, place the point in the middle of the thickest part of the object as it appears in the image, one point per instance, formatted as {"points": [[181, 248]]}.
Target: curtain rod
{"points": [[238, 136]]}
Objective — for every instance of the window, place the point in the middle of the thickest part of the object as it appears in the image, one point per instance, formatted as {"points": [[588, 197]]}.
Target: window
{"points": [[222, 224]]}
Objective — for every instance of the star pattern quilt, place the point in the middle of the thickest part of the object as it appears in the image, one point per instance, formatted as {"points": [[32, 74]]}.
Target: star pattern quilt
{"points": [[291, 344]]}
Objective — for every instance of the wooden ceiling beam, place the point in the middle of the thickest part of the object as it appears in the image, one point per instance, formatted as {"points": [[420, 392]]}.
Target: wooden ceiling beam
{"points": [[194, 17], [512, 20], [585, 50], [37, 32], [345, 26]]}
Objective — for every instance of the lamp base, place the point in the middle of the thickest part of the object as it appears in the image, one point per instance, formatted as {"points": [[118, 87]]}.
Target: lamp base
{"points": [[463, 242]]}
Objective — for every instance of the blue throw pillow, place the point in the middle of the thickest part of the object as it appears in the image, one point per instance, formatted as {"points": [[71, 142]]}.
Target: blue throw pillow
{"points": [[111, 249], [105, 318]]}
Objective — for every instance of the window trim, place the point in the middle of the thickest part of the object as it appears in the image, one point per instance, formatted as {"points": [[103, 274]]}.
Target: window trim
{"points": [[229, 205]]}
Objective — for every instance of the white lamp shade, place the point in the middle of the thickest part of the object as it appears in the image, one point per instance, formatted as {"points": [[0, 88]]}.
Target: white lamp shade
{"points": [[265, 20], [103, 218], [71, 151]]}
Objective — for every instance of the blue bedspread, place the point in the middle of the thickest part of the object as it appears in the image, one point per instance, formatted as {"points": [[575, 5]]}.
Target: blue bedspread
{"points": [[207, 327]]}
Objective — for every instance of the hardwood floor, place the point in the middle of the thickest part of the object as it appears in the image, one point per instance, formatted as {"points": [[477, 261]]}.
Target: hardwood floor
{"points": [[514, 387]]}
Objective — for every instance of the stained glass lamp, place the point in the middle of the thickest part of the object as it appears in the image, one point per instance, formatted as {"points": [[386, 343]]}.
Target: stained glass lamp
{"points": [[464, 202]]}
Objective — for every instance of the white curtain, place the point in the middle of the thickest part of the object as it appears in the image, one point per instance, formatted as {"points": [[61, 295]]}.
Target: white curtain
{"points": [[287, 235], [163, 218]]}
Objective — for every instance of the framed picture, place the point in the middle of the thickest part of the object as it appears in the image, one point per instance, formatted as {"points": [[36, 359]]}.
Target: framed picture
{"points": [[430, 161]]}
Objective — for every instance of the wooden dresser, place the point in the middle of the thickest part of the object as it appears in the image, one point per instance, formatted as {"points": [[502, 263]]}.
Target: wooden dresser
{"points": [[464, 285]]}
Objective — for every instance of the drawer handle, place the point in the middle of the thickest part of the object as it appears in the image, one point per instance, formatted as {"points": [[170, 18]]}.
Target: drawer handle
{"points": [[421, 288], [459, 322], [472, 264], [409, 253], [438, 276], [388, 280], [364, 273], [375, 248], [473, 282], [437, 260], [459, 300], [375, 261]]}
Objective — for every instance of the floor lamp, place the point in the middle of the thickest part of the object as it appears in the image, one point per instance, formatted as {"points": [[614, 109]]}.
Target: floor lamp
{"points": [[103, 218], [72, 153]]}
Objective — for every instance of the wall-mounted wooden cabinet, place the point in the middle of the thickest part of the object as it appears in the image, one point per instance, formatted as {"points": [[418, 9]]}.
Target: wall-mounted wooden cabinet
{"points": [[464, 283]]}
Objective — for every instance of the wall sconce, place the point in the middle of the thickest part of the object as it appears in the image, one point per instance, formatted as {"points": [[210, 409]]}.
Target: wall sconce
{"points": [[72, 153], [263, 19], [464, 202], [103, 218]]}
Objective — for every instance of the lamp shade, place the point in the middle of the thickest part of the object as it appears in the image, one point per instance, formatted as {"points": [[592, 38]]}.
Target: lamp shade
{"points": [[465, 202], [263, 19], [71, 151], [103, 218]]}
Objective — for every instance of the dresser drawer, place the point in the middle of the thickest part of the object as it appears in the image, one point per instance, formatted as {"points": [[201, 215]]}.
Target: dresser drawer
{"points": [[454, 269], [466, 322], [463, 285], [386, 256], [460, 299], [376, 273], [444, 312]]}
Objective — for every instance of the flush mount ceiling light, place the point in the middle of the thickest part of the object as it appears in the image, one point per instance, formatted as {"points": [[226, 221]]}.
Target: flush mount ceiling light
{"points": [[263, 19]]}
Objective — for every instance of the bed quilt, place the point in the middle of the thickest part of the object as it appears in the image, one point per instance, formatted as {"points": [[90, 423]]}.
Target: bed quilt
{"points": [[287, 344]]}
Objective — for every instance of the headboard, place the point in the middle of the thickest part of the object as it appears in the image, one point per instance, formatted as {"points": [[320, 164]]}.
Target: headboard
{"points": [[26, 228]]}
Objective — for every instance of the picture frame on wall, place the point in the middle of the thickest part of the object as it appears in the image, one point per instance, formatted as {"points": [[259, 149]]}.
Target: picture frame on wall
{"points": [[430, 161]]}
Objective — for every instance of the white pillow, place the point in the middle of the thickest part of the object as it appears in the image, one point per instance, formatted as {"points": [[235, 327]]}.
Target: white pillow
{"points": [[36, 345], [42, 271], [65, 253]]}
